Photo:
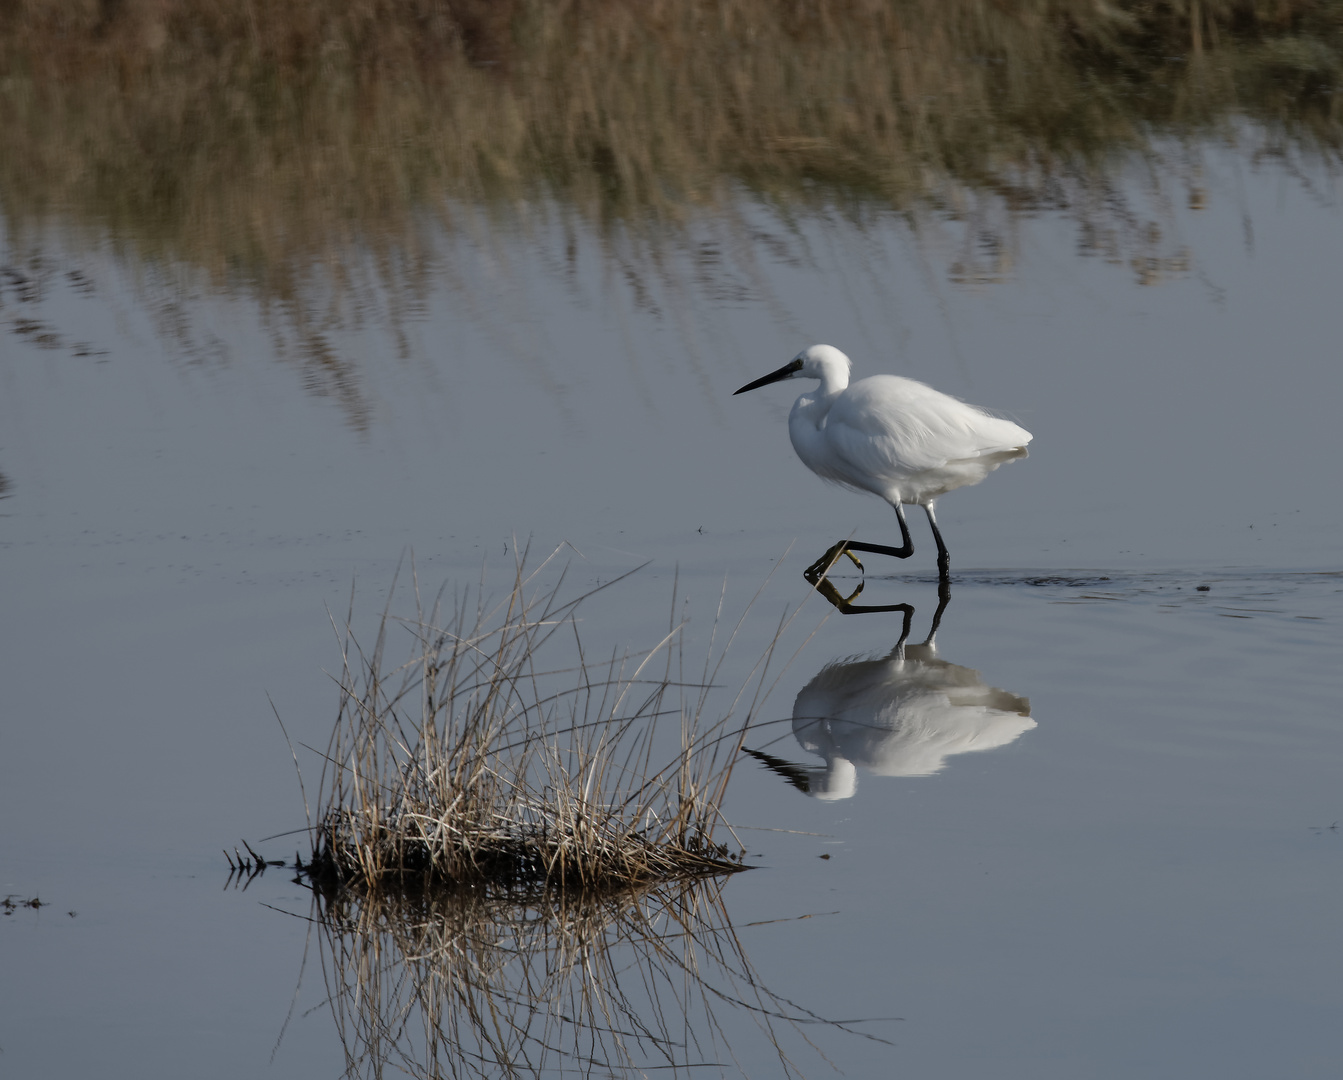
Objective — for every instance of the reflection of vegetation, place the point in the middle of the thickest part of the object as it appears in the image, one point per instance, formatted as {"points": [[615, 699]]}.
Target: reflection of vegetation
{"points": [[434, 984], [300, 148], [506, 880], [473, 763], [24, 285], [244, 136]]}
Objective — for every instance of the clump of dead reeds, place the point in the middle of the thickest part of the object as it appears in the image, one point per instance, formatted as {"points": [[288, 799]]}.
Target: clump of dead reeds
{"points": [[474, 762]]}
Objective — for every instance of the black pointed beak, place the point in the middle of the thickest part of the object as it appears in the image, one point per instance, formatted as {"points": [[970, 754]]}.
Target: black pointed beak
{"points": [[794, 774], [789, 369]]}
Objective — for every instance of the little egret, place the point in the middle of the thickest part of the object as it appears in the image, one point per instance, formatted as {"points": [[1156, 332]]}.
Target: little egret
{"points": [[893, 437]]}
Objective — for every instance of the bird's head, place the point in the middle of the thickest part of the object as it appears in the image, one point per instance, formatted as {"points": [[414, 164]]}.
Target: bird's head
{"points": [[823, 362]]}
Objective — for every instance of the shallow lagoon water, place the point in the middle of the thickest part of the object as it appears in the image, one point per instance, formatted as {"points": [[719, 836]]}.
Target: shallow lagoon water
{"points": [[1132, 885], [1142, 884]]}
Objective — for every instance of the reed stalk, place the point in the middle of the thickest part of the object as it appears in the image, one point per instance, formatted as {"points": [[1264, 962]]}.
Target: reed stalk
{"points": [[476, 763]]}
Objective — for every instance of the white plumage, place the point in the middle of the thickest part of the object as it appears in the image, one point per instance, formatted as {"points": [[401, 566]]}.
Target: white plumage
{"points": [[894, 437], [902, 714]]}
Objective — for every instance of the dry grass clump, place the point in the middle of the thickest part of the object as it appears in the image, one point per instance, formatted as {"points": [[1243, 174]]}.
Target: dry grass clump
{"points": [[515, 870], [434, 983], [475, 763]]}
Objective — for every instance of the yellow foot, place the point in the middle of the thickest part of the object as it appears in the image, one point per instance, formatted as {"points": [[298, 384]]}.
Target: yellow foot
{"points": [[843, 603], [817, 570]]}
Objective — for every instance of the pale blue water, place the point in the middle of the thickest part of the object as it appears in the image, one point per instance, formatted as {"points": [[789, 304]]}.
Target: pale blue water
{"points": [[1143, 883]]}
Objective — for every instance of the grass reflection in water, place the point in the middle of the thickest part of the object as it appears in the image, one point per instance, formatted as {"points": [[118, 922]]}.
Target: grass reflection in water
{"points": [[465, 984], [336, 161], [514, 878], [257, 142]]}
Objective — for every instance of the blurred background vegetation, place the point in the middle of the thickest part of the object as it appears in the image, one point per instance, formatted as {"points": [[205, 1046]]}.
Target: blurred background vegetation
{"points": [[286, 146]]}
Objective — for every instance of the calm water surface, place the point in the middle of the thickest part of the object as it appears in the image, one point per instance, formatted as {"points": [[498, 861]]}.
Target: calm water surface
{"points": [[1136, 876]]}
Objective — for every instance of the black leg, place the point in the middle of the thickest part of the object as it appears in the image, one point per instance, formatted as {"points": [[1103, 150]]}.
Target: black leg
{"points": [[943, 559], [821, 566], [904, 551], [899, 650], [846, 606], [943, 599]]}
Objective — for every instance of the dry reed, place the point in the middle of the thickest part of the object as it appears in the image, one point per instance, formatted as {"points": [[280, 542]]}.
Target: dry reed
{"points": [[514, 867], [428, 983], [474, 763]]}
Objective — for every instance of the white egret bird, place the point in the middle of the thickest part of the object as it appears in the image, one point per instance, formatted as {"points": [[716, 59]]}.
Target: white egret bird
{"points": [[894, 437]]}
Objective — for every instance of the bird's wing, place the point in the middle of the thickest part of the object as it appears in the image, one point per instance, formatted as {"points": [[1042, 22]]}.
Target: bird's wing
{"points": [[890, 426]]}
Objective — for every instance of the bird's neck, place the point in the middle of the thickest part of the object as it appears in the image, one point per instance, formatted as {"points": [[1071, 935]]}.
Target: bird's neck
{"points": [[833, 380], [814, 406]]}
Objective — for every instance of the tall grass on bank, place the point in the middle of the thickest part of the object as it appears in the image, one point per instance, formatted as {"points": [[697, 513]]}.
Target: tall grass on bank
{"points": [[428, 983], [475, 763]]}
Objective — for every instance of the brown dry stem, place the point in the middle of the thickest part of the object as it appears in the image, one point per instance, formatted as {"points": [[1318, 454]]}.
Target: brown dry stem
{"points": [[475, 763]]}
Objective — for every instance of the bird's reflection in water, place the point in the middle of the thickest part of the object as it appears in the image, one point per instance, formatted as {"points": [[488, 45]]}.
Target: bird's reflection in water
{"points": [[902, 714]]}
